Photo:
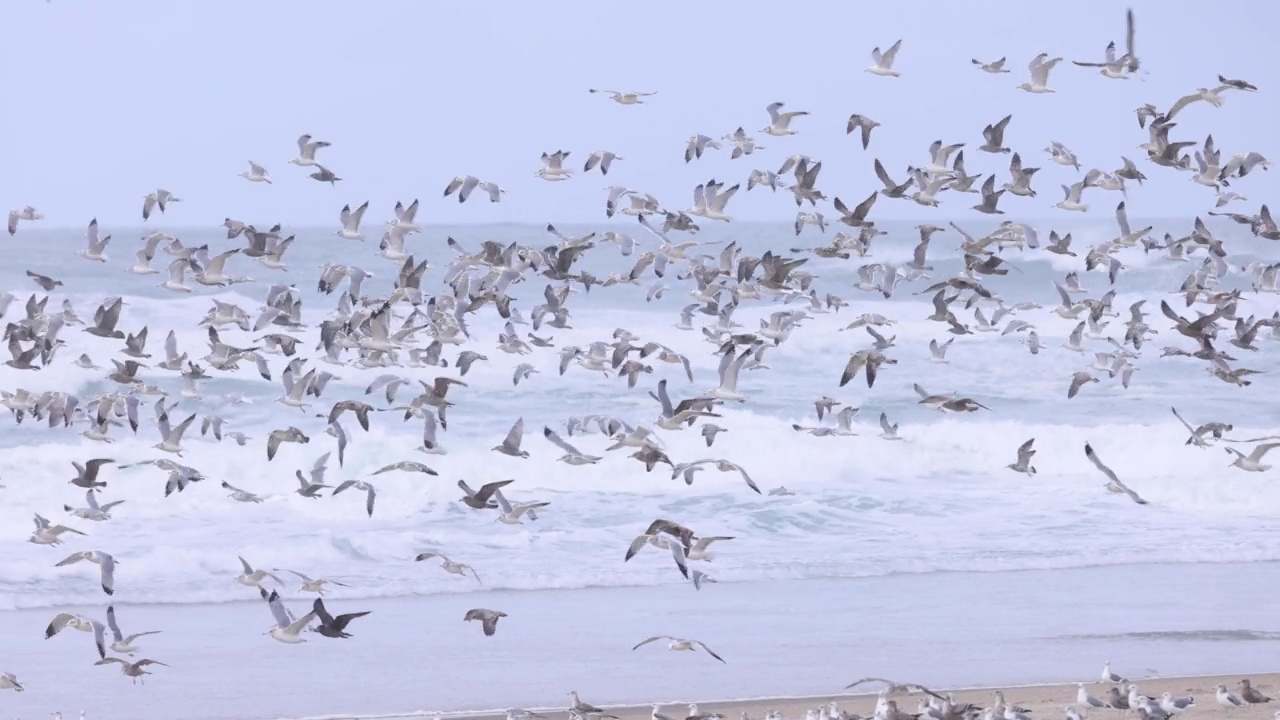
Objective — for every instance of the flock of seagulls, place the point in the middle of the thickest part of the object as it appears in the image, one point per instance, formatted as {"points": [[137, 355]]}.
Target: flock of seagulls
{"points": [[418, 335]]}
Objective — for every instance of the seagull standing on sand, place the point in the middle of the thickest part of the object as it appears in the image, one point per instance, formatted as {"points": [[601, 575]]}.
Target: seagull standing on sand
{"points": [[1174, 705], [1250, 695], [1107, 675], [1227, 698]]}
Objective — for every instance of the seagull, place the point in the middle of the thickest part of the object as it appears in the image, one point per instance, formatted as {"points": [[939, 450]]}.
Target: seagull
{"points": [[131, 669], [287, 631], [464, 184], [307, 151], [1040, 66], [158, 199], [625, 98], [480, 499], [449, 566], [406, 466], [310, 585], [351, 222], [1084, 699], [27, 213], [679, 644], [488, 619], [1226, 698], [602, 159], [330, 626], [1077, 381], [120, 642], [1251, 695], [1253, 461], [863, 123], [1115, 486], [9, 681], [889, 431], [324, 174], [1025, 453], [87, 474], [64, 620], [553, 169], [95, 246], [994, 136], [572, 456], [511, 443], [254, 578], [241, 495], [1109, 675], [370, 493], [994, 67], [47, 534], [172, 436], [938, 351], [106, 562], [1173, 705], [883, 62], [780, 122], [256, 173], [510, 513], [1111, 66]]}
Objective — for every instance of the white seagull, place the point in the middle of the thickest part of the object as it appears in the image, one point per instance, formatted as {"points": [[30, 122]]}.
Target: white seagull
{"points": [[106, 562], [884, 61], [256, 173], [1040, 66], [679, 644]]}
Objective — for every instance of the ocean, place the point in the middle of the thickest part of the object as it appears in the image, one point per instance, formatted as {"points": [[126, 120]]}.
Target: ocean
{"points": [[938, 507]]}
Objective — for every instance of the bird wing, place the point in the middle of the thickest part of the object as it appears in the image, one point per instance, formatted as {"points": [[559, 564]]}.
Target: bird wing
{"points": [[514, 434], [655, 638], [709, 651], [318, 609], [277, 610], [111, 622], [1093, 458], [555, 438], [677, 552]]}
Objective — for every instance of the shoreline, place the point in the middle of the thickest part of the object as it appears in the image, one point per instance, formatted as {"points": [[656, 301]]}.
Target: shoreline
{"points": [[90, 597], [1050, 626], [1034, 696]]}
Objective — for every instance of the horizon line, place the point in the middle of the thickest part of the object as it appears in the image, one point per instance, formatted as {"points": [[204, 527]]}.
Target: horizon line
{"points": [[29, 227]]}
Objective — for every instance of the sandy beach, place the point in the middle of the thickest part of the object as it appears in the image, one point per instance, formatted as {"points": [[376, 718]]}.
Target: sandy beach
{"points": [[1044, 701]]}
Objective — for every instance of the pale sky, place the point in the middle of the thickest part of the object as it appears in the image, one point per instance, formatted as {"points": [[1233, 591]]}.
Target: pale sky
{"points": [[109, 100]]}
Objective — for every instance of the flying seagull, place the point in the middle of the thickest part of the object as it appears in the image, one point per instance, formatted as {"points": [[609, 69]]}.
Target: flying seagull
{"points": [[1113, 482]]}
